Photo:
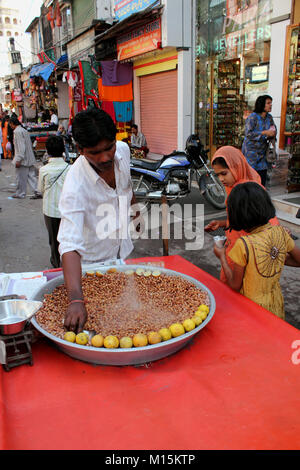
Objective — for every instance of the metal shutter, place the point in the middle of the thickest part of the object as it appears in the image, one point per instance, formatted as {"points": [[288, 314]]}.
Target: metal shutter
{"points": [[158, 98]]}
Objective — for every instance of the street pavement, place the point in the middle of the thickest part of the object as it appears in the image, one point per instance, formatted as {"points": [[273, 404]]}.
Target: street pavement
{"points": [[24, 238]]}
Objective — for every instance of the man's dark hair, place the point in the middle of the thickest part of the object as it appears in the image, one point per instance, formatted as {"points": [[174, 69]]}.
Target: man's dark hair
{"points": [[134, 126], [260, 103], [91, 126], [55, 146], [14, 120], [249, 206]]}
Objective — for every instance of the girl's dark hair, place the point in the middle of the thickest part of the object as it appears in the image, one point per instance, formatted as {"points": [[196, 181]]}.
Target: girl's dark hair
{"points": [[55, 146], [91, 126], [249, 206], [260, 103], [220, 161]]}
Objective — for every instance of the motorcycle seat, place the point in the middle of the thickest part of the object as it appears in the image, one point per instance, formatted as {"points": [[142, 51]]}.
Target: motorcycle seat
{"points": [[153, 166]]}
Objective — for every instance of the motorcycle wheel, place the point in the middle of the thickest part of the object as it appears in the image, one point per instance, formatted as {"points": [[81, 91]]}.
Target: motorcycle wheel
{"points": [[213, 191], [138, 185]]}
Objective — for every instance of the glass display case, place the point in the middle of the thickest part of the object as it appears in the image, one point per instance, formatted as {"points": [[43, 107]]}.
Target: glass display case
{"points": [[290, 122]]}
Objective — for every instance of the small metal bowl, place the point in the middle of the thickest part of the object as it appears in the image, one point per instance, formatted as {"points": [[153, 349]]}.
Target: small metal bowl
{"points": [[14, 315]]}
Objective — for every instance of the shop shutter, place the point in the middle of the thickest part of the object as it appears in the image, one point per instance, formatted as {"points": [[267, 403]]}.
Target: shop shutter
{"points": [[159, 111]]}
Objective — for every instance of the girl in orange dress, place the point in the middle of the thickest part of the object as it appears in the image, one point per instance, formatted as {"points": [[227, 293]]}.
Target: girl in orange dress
{"points": [[232, 168]]}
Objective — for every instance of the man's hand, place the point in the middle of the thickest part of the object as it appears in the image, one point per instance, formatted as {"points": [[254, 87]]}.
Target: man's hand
{"points": [[75, 317], [18, 164]]}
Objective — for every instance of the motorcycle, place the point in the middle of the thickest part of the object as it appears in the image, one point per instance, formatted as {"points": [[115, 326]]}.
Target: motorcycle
{"points": [[172, 176]]}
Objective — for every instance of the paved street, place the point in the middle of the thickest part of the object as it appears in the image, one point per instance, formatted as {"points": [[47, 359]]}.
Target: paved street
{"points": [[24, 242]]}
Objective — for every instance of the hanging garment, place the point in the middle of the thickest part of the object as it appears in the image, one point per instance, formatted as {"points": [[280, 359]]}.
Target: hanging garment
{"points": [[123, 111], [115, 73], [108, 107], [117, 93]]}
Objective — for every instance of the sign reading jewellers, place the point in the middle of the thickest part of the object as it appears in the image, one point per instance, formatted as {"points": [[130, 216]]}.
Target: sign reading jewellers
{"points": [[125, 8], [239, 30]]}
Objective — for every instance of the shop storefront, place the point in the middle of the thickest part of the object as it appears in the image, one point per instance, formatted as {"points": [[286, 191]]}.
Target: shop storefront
{"points": [[233, 39]]}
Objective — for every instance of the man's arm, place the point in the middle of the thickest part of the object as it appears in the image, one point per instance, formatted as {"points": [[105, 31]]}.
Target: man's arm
{"points": [[76, 315]]}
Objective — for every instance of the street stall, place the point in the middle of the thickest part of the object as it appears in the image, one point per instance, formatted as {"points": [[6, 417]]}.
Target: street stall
{"points": [[233, 384]]}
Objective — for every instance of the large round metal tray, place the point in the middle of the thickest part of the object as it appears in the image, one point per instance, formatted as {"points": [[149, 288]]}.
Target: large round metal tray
{"points": [[130, 356]]}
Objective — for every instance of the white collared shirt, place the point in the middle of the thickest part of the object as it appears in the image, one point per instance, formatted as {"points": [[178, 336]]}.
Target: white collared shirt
{"points": [[94, 216], [51, 181]]}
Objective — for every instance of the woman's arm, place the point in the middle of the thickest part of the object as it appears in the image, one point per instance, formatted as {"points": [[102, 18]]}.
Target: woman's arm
{"points": [[234, 276]]}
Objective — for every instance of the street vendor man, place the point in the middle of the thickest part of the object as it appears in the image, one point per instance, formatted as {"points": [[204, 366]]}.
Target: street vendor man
{"points": [[96, 197]]}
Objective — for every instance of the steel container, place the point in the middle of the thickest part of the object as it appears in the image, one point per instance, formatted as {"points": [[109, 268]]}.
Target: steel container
{"points": [[14, 315], [123, 356]]}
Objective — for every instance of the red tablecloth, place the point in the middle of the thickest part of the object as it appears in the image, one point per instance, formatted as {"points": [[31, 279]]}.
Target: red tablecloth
{"points": [[235, 386]]}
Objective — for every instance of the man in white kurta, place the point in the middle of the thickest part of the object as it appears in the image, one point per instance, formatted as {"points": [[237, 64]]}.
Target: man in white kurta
{"points": [[24, 161], [94, 206]]}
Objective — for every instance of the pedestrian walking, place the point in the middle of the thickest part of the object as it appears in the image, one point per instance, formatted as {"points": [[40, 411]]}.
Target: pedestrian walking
{"points": [[24, 161], [259, 129], [50, 184]]}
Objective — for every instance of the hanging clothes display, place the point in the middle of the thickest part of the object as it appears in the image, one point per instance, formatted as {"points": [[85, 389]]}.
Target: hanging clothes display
{"points": [[89, 82], [115, 86]]}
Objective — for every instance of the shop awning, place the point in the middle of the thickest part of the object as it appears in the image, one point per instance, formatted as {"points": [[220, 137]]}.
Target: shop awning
{"points": [[62, 60], [42, 70]]}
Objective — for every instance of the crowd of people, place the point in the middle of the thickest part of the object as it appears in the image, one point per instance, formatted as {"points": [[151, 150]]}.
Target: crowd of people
{"points": [[256, 249]]}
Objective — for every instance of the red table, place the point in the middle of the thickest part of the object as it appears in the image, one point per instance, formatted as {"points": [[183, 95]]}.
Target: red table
{"points": [[235, 386]]}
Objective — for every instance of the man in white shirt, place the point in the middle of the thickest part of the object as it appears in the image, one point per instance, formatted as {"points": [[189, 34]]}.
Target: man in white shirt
{"points": [[54, 118], [94, 206], [24, 161], [50, 184]]}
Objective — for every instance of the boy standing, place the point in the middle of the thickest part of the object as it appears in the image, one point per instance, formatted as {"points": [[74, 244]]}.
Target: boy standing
{"points": [[51, 180]]}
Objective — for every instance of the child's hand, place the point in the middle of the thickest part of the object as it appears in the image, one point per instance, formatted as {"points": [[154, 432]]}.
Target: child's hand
{"points": [[219, 252], [212, 226]]}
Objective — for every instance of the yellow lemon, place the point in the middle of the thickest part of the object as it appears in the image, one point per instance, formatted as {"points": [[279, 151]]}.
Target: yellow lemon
{"points": [[189, 324], [112, 270], [111, 342], [203, 308], [70, 336], [177, 329], [154, 337], [201, 314], [97, 341], [90, 273], [147, 273], [129, 272], [82, 338], [140, 340], [155, 273], [165, 333], [197, 320], [126, 342], [139, 271]]}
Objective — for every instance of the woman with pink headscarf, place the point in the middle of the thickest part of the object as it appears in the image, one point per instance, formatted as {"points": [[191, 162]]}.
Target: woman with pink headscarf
{"points": [[232, 168]]}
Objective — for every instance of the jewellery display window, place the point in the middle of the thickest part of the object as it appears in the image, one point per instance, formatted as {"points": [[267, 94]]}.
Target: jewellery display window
{"points": [[290, 113]]}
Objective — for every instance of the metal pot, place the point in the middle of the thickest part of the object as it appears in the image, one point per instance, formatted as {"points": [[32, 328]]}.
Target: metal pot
{"points": [[14, 315]]}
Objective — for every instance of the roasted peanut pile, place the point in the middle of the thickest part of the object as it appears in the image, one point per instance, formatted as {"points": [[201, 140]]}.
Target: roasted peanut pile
{"points": [[124, 305]]}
